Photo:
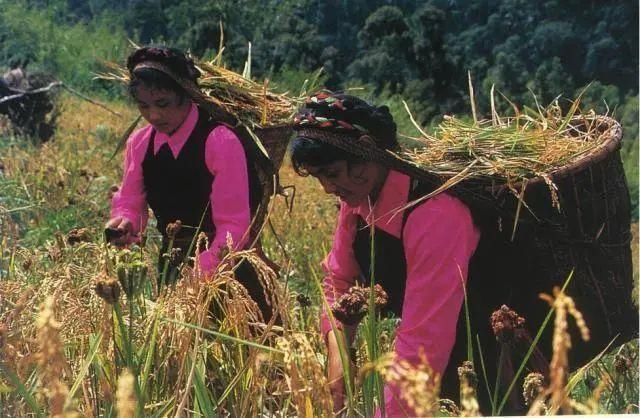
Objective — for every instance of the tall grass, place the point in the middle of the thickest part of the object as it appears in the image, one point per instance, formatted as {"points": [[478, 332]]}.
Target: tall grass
{"points": [[135, 351]]}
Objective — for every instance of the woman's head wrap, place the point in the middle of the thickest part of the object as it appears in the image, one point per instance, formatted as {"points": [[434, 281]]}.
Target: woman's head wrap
{"points": [[333, 127], [170, 62], [345, 116]]}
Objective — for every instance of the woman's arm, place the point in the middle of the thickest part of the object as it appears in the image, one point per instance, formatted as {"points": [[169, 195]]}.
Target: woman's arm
{"points": [[341, 269], [439, 239], [230, 210], [129, 203], [340, 266]]}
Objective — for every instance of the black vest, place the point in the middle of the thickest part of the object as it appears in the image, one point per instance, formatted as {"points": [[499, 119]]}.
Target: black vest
{"points": [[391, 273], [180, 188], [390, 267], [487, 288]]}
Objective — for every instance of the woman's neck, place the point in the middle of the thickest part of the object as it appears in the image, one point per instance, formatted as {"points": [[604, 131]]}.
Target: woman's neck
{"points": [[381, 178], [185, 113]]}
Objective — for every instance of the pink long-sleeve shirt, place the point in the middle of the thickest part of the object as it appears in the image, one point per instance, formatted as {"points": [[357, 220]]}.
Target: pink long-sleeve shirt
{"points": [[439, 239], [229, 196]]}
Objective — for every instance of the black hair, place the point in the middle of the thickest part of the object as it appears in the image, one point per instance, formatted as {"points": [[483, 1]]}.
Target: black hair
{"points": [[374, 121], [311, 152], [174, 59]]}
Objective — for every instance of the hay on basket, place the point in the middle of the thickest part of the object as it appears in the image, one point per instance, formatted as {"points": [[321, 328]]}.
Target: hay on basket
{"points": [[548, 192]]}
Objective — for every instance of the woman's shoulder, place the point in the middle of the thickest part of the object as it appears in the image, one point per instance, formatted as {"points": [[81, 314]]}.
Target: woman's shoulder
{"points": [[222, 132], [443, 207], [140, 135], [223, 136], [443, 218], [139, 139]]}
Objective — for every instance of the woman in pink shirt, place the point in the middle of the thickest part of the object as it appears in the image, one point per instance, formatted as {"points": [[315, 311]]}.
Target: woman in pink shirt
{"points": [[186, 166], [421, 254]]}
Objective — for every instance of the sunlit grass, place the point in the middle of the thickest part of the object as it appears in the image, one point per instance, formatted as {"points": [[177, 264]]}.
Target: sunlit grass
{"points": [[157, 354]]}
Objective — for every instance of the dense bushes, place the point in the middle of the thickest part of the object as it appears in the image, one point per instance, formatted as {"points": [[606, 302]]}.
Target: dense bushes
{"points": [[419, 51]]}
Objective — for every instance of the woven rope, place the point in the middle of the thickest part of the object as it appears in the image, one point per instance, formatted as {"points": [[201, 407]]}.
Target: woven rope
{"points": [[369, 152]]}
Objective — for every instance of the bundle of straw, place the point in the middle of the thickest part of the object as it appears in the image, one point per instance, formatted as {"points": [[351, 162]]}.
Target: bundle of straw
{"points": [[251, 103], [507, 149]]}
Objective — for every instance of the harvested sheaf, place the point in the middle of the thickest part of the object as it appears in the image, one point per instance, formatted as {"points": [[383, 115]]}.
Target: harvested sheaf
{"points": [[252, 103], [519, 147], [506, 148], [531, 145]]}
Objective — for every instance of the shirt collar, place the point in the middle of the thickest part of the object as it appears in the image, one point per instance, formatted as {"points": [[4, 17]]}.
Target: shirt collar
{"points": [[177, 140], [393, 196]]}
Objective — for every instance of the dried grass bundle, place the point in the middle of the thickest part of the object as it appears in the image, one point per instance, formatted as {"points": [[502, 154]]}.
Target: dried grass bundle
{"points": [[249, 102], [252, 103], [508, 149]]}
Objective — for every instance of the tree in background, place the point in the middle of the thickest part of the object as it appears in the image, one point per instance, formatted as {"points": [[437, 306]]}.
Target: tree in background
{"points": [[419, 51]]}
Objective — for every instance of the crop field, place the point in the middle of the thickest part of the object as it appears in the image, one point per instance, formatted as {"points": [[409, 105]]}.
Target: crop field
{"points": [[84, 331]]}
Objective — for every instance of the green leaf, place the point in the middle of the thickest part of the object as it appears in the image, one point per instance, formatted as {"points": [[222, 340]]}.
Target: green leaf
{"points": [[225, 336], [203, 398], [21, 389], [94, 345]]}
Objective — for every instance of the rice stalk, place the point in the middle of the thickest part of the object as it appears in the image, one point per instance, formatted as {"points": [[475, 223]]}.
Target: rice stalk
{"points": [[51, 360], [559, 367], [126, 402], [468, 390], [507, 150], [416, 385], [520, 147], [305, 378]]}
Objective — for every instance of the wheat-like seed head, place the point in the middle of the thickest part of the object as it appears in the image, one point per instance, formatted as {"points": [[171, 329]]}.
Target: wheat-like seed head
{"points": [[304, 374], [417, 384], [559, 366], [51, 361], [126, 395]]}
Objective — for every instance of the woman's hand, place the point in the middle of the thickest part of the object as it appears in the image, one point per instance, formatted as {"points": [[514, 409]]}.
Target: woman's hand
{"points": [[118, 231], [335, 372]]}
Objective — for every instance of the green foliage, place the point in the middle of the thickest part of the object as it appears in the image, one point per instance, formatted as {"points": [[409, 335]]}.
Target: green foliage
{"points": [[36, 37], [419, 52], [611, 383]]}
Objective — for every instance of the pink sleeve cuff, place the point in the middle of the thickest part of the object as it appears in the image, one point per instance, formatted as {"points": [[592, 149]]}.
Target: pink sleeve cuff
{"points": [[208, 263]]}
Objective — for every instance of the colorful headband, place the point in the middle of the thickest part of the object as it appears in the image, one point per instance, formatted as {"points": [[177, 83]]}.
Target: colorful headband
{"points": [[308, 119], [189, 85]]}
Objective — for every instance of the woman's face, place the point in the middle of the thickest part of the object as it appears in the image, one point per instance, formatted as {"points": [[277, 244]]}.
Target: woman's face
{"points": [[353, 183], [164, 109]]}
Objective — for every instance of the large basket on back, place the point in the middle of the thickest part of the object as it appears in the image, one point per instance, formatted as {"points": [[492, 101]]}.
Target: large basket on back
{"points": [[275, 140], [540, 245]]}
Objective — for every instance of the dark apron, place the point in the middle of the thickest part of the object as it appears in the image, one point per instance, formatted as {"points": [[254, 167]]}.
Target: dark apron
{"points": [[179, 189]]}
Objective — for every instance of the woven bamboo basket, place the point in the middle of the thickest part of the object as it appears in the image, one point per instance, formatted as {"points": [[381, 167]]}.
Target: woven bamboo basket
{"points": [[588, 238], [589, 235], [275, 140]]}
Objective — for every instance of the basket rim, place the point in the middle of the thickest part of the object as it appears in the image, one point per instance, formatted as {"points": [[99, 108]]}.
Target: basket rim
{"points": [[392, 160], [601, 151]]}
